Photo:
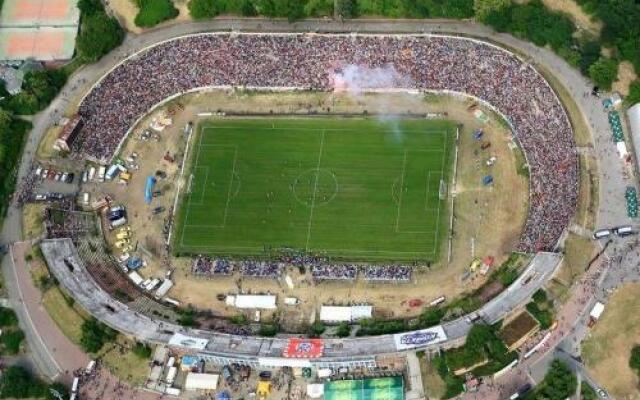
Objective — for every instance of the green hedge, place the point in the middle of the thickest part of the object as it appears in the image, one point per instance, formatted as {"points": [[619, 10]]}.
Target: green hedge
{"points": [[153, 12]]}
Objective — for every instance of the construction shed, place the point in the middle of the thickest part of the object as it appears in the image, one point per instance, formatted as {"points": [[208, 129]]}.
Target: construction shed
{"points": [[389, 388], [196, 381]]}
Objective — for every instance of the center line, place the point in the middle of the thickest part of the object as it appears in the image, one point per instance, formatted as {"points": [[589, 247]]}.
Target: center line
{"points": [[315, 188]]}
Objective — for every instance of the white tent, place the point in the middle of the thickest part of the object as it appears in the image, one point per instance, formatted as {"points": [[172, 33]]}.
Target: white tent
{"points": [[267, 302], [164, 288], [201, 381], [633, 114], [345, 314]]}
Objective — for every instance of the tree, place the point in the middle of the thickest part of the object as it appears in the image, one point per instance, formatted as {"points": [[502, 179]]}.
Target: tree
{"points": [[247, 9], [558, 384], [99, 34], [634, 360], [202, 9], [59, 389], [11, 341], [344, 330], [90, 7], [347, 8], [317, 329], [142, 350], [634, 93], [589, 53], [95, 335], [603, 72], [7, 316], [16, 382], [153, 12], [483, 8]]}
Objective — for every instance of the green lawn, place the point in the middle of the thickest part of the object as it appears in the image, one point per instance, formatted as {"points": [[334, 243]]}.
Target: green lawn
{"points": [[357, 189]]}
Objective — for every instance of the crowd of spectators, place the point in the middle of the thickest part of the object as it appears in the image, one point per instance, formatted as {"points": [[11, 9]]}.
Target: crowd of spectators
{"points": [[261, 269], [387, 273], [310, 61], [203, 265], [64, 222], [329, 272], [321, 268]]}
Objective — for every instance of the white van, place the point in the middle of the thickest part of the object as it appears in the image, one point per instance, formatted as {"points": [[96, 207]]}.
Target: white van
{"points": [[74, 386], [601, 234], [624, 230], [101, 171]]}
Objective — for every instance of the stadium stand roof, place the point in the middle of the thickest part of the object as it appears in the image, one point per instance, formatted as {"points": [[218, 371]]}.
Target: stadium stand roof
{"points": [[391, 388], [43, 30]]}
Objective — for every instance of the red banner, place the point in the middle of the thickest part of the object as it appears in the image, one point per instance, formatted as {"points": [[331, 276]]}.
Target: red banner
{"points": [[304, 348]]}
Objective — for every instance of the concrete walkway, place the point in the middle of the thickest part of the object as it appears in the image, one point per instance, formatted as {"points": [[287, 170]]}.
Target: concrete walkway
{"points": [[57, 356]]}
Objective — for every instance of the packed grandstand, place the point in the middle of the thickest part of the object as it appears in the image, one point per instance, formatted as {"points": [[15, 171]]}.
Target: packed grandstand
{"points": [[309, 62]]}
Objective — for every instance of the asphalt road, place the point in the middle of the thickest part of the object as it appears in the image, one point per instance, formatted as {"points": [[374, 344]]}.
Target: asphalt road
{"points": [[611, 210]]}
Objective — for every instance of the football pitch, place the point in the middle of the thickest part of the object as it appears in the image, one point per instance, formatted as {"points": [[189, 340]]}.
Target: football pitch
{"points": [[350, 189]]}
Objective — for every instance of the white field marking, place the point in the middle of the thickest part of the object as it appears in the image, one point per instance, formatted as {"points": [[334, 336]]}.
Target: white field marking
{"points": [[426, 203], [315, 189], [200, 202], [404, 165], [233, 174], [212, 250], [264, 128], [186, 215], [439, 205]]}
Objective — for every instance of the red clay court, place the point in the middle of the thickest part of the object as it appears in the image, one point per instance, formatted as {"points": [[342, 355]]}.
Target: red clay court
{"points": [[33, 13], [44, 30]]}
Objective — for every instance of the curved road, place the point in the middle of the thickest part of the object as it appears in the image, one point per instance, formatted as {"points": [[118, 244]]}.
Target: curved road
{"points": [[611, 177]]}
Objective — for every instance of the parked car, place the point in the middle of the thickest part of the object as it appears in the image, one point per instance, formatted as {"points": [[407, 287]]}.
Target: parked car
{"points": [[41, 197], [115, 215], [158, 210], [58, 176], [38, 171], [70, 177]]}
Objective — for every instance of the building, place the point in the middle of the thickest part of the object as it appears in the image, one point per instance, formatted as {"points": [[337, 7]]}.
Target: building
{"points": [[12, 78], [68, 134], [41, 30], [633, 114]]}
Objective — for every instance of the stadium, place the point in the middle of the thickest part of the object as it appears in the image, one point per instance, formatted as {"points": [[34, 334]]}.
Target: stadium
{"points": [[292, 178]]}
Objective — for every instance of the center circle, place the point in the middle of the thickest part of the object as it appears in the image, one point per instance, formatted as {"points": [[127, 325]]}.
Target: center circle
{"points": [[315, 187]]}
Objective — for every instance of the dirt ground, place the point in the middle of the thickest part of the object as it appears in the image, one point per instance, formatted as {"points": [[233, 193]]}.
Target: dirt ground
{"points": [[607, 349], [626, 75], [582, 19], [482, 213], [126, 11]]}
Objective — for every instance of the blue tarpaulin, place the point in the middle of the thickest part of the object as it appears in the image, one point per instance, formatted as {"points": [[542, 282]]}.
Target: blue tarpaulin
{"points": [[223, 396], [148, 191]]}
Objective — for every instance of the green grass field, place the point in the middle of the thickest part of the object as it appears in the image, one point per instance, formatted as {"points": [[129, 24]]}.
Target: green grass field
{"points": [[356, 189]]}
